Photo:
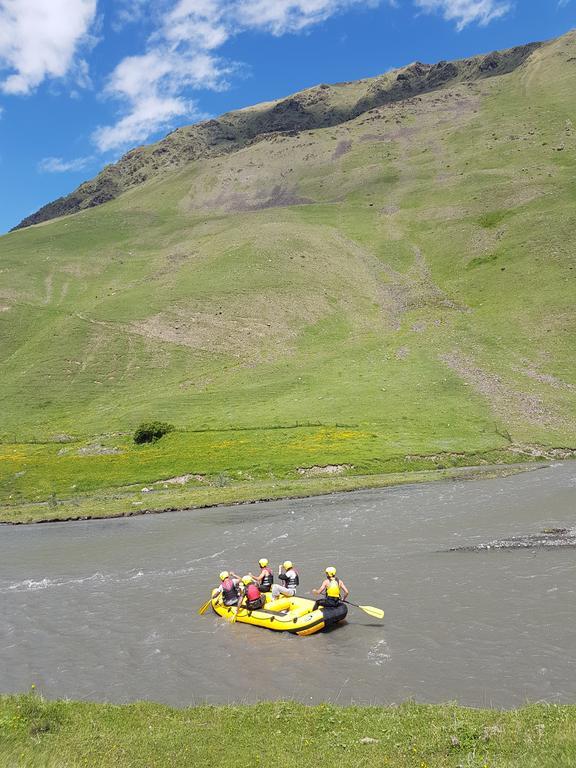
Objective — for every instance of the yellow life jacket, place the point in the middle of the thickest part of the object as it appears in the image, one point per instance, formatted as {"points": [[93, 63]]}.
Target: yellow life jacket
{"points": [[333, 589]]}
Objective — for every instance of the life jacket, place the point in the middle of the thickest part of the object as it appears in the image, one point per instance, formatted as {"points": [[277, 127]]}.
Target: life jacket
{"points": [[229, 592], [291, 579], [333, 589], [267, 579], [252, 592]]}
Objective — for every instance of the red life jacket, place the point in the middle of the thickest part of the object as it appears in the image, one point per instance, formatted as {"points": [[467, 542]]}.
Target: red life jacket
{"points": [[252, 592]]}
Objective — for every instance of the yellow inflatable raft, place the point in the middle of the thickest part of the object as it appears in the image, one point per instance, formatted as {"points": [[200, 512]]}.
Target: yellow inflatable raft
{"points": [[287, 614]]}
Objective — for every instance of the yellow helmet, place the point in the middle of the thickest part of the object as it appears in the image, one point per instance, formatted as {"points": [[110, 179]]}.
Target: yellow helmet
{"points": [[224, 575], [287, 564], [263, 562], [330, 571], [246, 579]]}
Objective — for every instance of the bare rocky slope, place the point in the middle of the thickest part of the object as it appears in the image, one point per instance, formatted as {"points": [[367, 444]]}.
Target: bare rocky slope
{"points": [[319, 107]]}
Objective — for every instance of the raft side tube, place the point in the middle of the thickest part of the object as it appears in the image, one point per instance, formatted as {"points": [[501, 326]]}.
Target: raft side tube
{"points": [[300, 619], [332, 615]]}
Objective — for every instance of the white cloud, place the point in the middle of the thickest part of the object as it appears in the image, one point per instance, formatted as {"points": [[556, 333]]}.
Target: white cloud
{"points": [[281, 16], [202, 24], [465, 12], [58, 165], [128, 12], [151, 86], [40, 39], [147, 116]]}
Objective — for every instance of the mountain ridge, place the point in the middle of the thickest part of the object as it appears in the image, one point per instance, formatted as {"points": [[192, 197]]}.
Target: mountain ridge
{"points": [[312, 108]]}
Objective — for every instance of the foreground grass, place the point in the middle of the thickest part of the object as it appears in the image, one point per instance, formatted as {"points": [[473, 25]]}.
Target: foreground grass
{"points": [[34, 732]]}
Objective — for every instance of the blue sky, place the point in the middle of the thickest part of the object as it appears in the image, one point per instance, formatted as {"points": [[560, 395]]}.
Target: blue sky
{"points": [[82, 81]]}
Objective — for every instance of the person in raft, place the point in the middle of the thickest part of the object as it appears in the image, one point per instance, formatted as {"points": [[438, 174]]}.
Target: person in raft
{"points": [[332, 588], [229, 587], [289, 575], [265, 578], [250, 596]]}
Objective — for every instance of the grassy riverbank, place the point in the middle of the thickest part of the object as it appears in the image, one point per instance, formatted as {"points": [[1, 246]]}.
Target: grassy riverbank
{"points": [[127, 501], [67, 734], [109, 476]]}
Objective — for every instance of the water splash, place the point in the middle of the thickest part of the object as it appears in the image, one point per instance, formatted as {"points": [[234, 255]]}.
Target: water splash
{"points": [[378, 653]]}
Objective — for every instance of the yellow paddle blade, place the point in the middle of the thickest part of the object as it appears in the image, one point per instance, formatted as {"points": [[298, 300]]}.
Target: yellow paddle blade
{"points": [[234, 616], [377, 613], [202, 610]]}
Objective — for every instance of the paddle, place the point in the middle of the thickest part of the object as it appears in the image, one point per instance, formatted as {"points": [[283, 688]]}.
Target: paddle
{"points": [[202, 610], [376, 613]]}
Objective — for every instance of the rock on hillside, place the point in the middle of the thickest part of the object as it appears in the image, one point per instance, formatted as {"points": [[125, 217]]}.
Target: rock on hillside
{"points": [[318, 107]]}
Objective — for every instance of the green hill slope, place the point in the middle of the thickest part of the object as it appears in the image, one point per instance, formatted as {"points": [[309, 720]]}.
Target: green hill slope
{"points": [[408, 273]]}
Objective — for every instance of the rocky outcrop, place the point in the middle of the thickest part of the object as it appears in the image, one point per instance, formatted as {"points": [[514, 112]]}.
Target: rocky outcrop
{"points": [[310, 109], [548, 538]]}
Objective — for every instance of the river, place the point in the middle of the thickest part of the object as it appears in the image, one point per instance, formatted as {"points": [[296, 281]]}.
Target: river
{"points": [[106, 609]]}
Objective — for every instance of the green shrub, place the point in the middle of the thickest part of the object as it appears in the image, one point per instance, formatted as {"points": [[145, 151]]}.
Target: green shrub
{"points": [[481, 260], [492, 219], [150, 431]]}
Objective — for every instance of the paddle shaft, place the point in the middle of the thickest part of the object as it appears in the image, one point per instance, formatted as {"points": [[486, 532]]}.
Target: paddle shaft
{"points": [[202, 610]]}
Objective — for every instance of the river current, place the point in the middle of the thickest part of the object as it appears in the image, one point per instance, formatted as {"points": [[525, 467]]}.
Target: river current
{"points": [[106, 609]]}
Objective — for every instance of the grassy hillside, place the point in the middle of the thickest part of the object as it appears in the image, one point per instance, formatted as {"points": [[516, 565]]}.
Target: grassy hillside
{"points": [[396, 286], [34, 732]]}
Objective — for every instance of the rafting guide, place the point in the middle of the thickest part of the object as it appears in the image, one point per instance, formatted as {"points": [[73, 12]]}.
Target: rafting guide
{"points": [[332, 589]]}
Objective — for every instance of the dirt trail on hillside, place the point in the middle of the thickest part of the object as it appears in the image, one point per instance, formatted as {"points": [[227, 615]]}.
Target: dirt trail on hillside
{"points": [[505, 401]]}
